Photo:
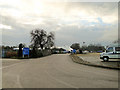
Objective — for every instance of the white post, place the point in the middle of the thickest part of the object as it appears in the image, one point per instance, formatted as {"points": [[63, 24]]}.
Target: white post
{"points": [[23, 56]]}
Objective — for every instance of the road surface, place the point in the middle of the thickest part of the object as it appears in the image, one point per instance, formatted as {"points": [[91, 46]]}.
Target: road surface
{"points": [[56, 71]]}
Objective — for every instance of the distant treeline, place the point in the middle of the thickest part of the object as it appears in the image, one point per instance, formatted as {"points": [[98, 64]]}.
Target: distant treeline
{"points": [[90, 47], [93, 48], [8, 48]]}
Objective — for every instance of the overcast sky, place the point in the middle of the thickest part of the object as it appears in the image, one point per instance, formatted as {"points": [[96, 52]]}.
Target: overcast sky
{"points": [[89, 22]]}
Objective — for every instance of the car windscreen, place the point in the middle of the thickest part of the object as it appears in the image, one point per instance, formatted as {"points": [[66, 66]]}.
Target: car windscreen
{"points": [[110, 49]]}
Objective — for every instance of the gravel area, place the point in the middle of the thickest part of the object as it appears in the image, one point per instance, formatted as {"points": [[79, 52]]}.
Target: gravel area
{"points": [[94, 58]]}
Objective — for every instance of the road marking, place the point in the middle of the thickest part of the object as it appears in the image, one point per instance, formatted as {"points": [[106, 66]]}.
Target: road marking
{"points": [[11, 65], [18, 81], [58, 80]]}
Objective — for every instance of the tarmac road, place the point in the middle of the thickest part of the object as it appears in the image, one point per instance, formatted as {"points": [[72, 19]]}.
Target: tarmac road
{"points": [[56, 71]]}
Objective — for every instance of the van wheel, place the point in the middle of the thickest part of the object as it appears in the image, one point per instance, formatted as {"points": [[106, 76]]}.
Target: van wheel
{"points": [[105, 59]]}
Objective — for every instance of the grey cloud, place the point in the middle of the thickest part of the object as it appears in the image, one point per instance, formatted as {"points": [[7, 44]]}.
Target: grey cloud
{"points": [[74, 34], [18, 33], [71, 34], [100, 7], [66, 34], [21, 32]]}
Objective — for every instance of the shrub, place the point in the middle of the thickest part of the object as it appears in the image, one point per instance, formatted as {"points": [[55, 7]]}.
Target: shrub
{"points": [[10, 54]]}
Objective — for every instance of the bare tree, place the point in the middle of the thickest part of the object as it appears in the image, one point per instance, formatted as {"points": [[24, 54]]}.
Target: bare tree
{"points": [[116, 41], [75, 46], [50, 40], [40, 39]]}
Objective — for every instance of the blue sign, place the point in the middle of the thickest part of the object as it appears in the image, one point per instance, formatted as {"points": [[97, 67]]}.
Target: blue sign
{"points": [[74, 51], [25, 51]]}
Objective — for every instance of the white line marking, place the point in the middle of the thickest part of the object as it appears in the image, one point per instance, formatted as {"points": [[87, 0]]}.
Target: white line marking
{"points": [[18, 81], [11, 65], [60, 81]]}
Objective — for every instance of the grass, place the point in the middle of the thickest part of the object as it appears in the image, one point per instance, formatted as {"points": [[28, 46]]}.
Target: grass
{"points": [[88, 54]]}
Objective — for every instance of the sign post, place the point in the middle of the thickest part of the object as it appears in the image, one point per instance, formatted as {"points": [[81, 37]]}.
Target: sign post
{"points": [[25, 52], [74, 51]]}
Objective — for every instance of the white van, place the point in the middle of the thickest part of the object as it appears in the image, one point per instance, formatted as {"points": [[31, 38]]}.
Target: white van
{"points": [[112, 52]]}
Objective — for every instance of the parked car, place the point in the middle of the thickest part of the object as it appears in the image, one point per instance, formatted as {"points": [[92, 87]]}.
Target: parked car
{"points": [[112, 52], [85, 52]]}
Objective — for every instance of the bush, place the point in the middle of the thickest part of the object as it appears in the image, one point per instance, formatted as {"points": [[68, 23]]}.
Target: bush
{"points": [[10, 54], [39, 53], [46, 52]]}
